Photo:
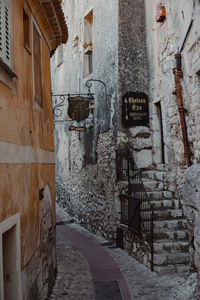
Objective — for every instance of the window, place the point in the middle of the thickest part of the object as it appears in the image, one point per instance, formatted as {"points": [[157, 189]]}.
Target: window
{"points": [[37, 66], [26, 29], [5, 10], [88, 44]]}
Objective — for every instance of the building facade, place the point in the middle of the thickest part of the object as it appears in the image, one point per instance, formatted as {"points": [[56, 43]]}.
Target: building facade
{"points": [[134, 44], [30, 32]]}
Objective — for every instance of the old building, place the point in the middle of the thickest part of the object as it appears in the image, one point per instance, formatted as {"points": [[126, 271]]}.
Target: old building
{"points": [[134, 48], [30, 31]]}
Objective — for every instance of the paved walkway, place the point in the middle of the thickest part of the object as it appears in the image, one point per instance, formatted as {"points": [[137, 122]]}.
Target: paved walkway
{"points": [[90, 268]]}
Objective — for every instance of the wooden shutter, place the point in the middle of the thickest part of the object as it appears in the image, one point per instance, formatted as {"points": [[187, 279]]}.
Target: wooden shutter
{"points": [[5, 16], [37, 65], [1, 28]]}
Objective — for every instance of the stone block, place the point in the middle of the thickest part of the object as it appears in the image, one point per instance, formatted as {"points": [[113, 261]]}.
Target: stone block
{"points": [[165, 270], [159, 175], [141, 143], [168, 195], [156, 155], [160, 259], [143, 158], [141, 131]]}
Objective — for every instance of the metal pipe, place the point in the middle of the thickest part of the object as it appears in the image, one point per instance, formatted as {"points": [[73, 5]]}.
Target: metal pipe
{"points": [[178, 74]]}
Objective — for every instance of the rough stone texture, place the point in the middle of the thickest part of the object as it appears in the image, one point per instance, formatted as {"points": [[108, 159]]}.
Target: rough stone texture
{"points": [[38, 276], [136, 246], [89, 194], [133, 72], [164, 40], [191, 197], [85, 162]]}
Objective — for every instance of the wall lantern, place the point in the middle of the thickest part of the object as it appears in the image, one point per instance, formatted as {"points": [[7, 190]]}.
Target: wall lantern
{"points": [[160, 12]]}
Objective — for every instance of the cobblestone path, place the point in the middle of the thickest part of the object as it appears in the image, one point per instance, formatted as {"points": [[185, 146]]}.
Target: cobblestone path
{"points": [[90, 268]]}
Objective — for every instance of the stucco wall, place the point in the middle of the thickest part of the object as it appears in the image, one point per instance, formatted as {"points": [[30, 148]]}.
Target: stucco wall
{"points": [[27, 147]]}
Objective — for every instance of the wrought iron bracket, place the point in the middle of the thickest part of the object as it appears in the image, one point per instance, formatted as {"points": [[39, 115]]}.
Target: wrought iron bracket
{"points": [[61, 100], [89, 85]]}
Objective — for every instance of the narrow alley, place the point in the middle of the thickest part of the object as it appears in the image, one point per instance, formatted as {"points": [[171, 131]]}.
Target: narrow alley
{"points": [[90, 267], [100, 150]]}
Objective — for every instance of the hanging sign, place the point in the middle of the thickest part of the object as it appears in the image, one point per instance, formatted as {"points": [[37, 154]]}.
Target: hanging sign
{"points": [[71, 128], [135, 109], [78, 109]]}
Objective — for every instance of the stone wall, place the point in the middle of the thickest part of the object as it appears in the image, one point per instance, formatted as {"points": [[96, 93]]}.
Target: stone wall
{"points": [[133, 76], [164, 40], [191, 201], [86, 162]]}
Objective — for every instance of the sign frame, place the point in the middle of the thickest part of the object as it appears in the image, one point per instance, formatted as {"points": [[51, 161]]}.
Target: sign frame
{"points": [[135, 109]]}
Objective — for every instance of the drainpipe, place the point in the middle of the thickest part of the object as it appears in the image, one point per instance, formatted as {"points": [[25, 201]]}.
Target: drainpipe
{"points": [[178, 74]]}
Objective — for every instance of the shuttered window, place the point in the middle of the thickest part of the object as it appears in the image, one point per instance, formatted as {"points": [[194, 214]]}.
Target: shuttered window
{"points": [[5, 24], [37, 65]]}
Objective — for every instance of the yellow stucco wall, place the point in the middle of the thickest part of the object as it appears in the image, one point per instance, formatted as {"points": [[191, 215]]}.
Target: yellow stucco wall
{"points": [[24, 170]]}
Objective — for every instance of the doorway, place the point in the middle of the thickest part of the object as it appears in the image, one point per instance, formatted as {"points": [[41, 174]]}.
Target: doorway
{"points": [[10, 284]]}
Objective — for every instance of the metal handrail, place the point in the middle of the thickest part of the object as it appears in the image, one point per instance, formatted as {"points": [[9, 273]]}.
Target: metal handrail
{"points": [[140, 210]]}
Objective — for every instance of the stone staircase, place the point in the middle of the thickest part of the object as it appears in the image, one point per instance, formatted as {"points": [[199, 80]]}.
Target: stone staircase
{"points": [[171, 245]]}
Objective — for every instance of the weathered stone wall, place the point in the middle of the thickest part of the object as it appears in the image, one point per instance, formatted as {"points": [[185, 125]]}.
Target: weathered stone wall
{"points": [[133, 76], [164, 40], [191, 197], [85, 162], [90, 194]]}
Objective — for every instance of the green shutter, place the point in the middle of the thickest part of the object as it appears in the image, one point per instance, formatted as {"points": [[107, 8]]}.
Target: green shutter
{"points": [[1, 28], [5, 24]]}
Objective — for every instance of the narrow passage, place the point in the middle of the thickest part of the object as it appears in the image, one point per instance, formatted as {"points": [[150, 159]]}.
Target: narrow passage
{"points": [[91, 268]]}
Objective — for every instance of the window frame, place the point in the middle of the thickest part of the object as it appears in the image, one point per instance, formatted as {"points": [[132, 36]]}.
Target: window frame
{"points": [[38, 101], [88, 20], [27, 35]]}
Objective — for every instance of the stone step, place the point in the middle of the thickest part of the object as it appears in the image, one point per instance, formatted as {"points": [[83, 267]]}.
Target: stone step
{"points": [[148, 174], [149, 185], [167, 235], [156, 195], [166, 204], [179, 246], [160, 195], [171, 269], [164, 259], [165, 214], [168, 225], [159, 174]]}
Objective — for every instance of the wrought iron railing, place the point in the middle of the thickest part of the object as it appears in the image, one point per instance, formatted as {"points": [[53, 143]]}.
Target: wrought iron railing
{"points": [[136, 208]]}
